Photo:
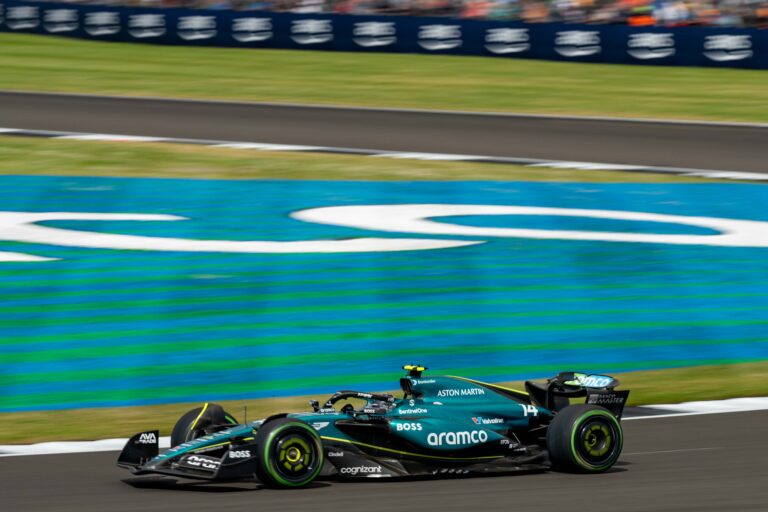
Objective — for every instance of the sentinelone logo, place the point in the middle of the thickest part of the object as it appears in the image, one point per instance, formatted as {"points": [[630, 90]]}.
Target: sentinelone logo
{"points": [[422, 219]]}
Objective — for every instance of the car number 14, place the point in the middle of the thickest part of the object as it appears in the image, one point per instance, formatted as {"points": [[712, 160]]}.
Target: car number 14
{"points": [[529, 410]]}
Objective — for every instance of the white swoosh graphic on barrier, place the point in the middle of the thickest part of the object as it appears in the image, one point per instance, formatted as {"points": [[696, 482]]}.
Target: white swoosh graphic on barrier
{"points": [[21, 227], [415, 218]]}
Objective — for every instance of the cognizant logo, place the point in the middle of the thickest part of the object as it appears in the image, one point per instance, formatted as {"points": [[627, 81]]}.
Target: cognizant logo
{"points": [[457, 438], [355, 470]]}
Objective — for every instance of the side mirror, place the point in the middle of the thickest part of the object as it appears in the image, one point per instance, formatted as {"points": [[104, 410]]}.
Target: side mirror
{"points": [[315, 405]]}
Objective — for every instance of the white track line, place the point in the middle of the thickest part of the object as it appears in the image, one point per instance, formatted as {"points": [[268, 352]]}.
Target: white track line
{"points": [[528, 162], [685, 409], [730, 405], [318, 106], [103, 445]]}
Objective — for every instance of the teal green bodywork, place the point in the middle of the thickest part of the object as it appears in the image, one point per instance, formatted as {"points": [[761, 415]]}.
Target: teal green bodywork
{"points": [[449, 418]]}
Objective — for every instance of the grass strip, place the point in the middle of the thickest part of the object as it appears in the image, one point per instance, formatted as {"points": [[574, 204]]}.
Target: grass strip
{"points": [[32, 156], [45, 63]]}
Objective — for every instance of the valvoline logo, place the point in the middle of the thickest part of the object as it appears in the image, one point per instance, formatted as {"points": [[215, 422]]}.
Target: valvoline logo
{"points": [[479, 420]]}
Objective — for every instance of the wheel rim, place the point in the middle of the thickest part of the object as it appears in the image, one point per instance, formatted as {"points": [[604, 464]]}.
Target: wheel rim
{"points": [[294, 456], [597, 441]]}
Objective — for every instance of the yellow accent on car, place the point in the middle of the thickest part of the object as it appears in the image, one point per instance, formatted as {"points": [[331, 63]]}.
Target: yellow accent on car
{"points": [[210, 446], [408, 453], [194, 423], [219, 444]]}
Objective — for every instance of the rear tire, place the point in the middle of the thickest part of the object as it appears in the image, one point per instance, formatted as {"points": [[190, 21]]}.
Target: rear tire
{"points": [[290, 453], [584, 439], [193, 423]]}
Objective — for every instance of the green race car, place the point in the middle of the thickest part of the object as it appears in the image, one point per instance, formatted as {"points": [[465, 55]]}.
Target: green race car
{"points": [[441, 426]]}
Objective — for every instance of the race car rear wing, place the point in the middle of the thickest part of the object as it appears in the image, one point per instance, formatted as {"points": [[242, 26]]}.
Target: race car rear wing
{"points": [[597, 389]]}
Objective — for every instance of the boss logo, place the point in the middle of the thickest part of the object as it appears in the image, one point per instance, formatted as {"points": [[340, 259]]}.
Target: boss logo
{"points": [[240, 454], [408, 426]]}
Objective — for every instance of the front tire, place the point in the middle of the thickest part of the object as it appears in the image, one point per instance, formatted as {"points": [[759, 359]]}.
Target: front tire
{"points": [[290, 453], [584, 439]]}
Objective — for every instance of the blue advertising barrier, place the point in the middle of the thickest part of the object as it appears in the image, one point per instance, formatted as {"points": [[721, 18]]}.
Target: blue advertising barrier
{"points": [[686, 46], [87, 326]]}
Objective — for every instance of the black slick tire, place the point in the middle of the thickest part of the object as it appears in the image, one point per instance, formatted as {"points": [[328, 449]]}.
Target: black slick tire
{"points": [[584, 439], [290, 453]]}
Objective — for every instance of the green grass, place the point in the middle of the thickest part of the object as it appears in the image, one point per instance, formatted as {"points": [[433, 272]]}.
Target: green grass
{"points": [[44, 63], [647, 387], [27, 156]]}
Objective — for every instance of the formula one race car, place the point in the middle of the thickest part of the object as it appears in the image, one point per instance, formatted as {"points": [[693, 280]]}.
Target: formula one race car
{"points": [[441, 426]]}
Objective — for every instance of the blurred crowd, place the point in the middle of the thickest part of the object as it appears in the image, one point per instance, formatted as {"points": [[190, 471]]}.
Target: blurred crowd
{"points": [[670, 13]]}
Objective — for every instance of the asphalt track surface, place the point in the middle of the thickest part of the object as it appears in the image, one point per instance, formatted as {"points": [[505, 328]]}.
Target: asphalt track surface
{"points": [[684, 464], [735, 148]]}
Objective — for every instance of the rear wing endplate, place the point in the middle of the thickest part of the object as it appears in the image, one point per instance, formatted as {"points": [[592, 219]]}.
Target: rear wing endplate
{"points": [[597, 389]]}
